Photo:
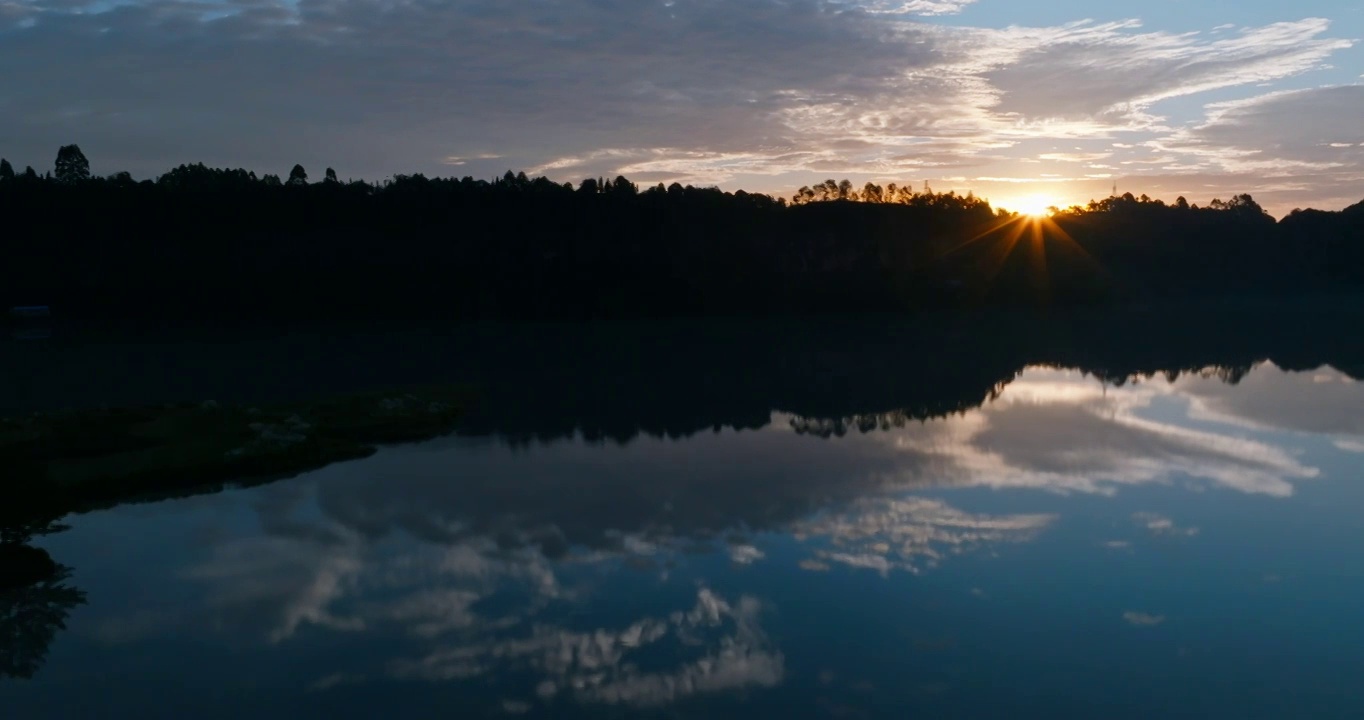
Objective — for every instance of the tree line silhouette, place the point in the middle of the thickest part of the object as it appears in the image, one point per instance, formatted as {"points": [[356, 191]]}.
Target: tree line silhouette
{"points": [[215, 244]]}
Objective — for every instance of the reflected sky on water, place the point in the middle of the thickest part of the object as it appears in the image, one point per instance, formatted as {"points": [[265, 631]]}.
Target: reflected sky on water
{"points": [[1167, 546]]}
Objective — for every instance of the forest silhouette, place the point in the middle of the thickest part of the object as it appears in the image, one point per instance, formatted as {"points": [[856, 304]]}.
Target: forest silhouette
{"points": [[208, 245]]}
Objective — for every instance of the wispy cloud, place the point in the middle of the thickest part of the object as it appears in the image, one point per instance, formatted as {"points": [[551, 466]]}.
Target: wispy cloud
{"points": [[702, 91], [1306, 130], [1112, 73], [916, 7]]}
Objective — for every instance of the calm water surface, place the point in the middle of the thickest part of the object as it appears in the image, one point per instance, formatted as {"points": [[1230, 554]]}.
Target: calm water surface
{"points": [[1070, 548]]}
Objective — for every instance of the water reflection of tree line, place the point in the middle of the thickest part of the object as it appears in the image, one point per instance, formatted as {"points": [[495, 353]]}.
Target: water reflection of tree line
{"points": [[35, 597], [831, 377], [616, 382], [828, 427], [869, 373]]}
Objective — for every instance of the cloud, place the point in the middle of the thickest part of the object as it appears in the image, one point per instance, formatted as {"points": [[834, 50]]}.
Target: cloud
{"points": [[1075, 157], [1112, 73], [917, 7], [162, 82], [1309, 129], [701, 91], [1291, 149]]}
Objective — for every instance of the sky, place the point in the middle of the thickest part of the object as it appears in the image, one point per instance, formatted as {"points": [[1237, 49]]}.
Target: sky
{"points": [[1053, 99]]}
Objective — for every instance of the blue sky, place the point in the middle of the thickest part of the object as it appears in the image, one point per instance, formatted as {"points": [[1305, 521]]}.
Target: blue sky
{"points": [[1180, 16], [1057, 100]]}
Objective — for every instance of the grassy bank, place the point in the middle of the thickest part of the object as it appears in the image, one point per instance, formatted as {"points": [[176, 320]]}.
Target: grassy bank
{"points": [[70, 461]]}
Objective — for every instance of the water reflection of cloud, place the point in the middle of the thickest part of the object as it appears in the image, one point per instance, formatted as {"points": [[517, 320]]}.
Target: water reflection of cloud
{"points": [[1141, 619], [270, 586], [910, 534], [334, 680], [485, 515], [1324, 401], [617, 498], [1161, 525], [1354, 446], [745, 554], [474, 608], [1051, 430], [463, 549], [282, 582], [1059, 431], [731, 651], [436, 612]]}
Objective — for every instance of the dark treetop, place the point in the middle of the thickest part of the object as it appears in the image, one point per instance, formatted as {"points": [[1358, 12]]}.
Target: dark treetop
{"points": [[207, 244]]}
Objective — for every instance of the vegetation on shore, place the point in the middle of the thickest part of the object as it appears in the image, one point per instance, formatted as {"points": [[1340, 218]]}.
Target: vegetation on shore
{"points": [[63, 462], [208, 245]]}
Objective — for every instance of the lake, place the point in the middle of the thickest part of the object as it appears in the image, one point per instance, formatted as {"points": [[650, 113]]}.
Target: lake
{"points": [[995, 516]]}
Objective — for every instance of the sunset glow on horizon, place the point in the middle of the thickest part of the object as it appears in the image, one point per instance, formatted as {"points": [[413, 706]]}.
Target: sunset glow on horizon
{"points": [[1008, 100], [1036, 206]]}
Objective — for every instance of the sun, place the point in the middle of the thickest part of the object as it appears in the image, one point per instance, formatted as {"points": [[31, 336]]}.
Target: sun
{"points": [[1029, 231], [1037, 206]]}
